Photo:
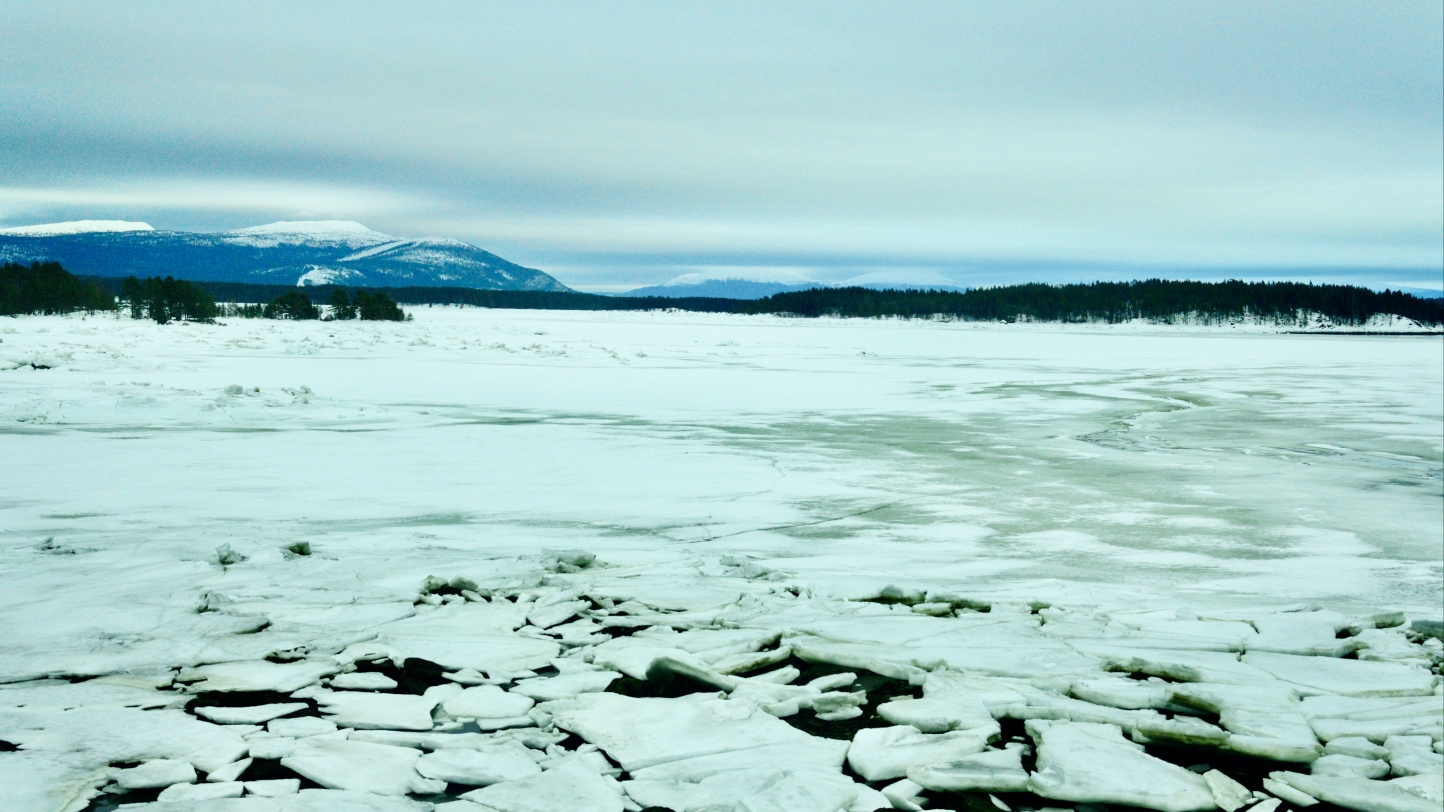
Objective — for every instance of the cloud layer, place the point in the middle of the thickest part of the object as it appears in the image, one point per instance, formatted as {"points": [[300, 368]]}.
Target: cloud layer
{"points": [[616, 144]]}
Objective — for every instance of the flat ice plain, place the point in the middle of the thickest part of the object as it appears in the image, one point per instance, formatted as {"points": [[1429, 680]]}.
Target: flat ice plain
{"points": [[1235, 518]]}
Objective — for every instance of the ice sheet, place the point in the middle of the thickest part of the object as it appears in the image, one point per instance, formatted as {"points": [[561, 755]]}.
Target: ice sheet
{"points": [[1166, 491]]}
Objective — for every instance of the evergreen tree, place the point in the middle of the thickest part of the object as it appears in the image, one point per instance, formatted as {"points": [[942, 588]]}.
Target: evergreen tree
{"points": [[46, 287], [342, 308], [293, 305], [167, 299], [377, 307]]}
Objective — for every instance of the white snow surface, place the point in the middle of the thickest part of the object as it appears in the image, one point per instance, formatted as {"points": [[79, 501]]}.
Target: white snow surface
{"points": [[786, 277], [77, 227], [1046, 510], [909, 278], [325, 227]]}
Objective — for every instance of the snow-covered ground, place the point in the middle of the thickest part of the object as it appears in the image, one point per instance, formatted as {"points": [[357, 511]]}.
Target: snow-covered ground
{"points": [[1209, 506]]}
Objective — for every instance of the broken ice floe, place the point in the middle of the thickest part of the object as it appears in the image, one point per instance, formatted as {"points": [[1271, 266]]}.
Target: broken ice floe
{"points": [[578, 695]]}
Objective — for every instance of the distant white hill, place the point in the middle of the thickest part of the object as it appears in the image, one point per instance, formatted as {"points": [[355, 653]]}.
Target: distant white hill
{"points": [[78, 227], [904, 280], [731, 283], [308, 227]]}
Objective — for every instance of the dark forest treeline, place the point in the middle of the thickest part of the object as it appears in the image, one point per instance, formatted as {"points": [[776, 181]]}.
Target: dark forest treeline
{"points": [[500, 299], [165, 300], [1155, 299], [46, 287]]}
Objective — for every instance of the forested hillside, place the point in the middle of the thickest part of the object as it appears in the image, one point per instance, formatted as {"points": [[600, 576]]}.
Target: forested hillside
{"points": [[1111, 302]]}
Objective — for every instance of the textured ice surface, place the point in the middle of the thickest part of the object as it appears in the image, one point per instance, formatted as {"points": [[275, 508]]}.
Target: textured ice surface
{"points": [[1094, 763], [1086, 525]]}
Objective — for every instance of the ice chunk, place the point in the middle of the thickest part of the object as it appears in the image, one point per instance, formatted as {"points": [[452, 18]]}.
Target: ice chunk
{"points": [[201, 792], [1376, 730], [747, 661], [1349, 766], [272, 747], [1359, 794], [159, 772], [938, 714], [880, 753], [328, 800], [553, 614], [377, 711], [362, 766], [1181, 666], [569, 788], [274, 788], [487, 702], [1227, 793], [1079, 711], [988, 771], [257, 675], [1413, 755], [1357, 747], [692, 668], [1093, 763], [754, 790], [1425, 786], [666, 794], [1127, 694], [1288, 793], [300, 727], [1346, 677], [565, 686], [230, 772], [640, 733], [1181, 730], [905, 795], [1303, 633], [634, 656], [363, 681], [1272, 749], [471, 635], [811, 753], [251, 715], [994, 695], [478, 768]]}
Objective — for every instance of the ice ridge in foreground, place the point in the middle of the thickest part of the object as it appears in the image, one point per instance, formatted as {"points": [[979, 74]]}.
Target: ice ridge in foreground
{"points": [[559, 682]]}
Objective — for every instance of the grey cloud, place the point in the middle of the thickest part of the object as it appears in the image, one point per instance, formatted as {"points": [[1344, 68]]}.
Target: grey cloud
{"points": [[1232, 134]]}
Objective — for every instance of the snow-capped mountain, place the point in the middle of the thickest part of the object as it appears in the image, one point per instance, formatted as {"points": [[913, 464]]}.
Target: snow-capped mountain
{"points": [[904, 280], [300, 253], [731, 284]]}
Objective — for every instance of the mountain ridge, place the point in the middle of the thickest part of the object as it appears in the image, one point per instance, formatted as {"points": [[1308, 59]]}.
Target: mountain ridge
{"points": [[293, 252]]}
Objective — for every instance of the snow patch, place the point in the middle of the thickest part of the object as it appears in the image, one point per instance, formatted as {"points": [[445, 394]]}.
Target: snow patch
{"points": [[77, 227]]}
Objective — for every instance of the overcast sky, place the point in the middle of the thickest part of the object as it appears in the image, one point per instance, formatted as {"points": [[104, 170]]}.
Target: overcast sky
{"points": [[620, 144]]}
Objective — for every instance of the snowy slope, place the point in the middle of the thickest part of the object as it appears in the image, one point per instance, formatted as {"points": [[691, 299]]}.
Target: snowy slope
{"points": [[905, 280], [305, 252], [731, 284], [77, 227]]}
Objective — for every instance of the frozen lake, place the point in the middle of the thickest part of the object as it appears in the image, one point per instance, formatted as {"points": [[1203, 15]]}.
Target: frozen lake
{"points": [[1161, 489], [1193, 466]]}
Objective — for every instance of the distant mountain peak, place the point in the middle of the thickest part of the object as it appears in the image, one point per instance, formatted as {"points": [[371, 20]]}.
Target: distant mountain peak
{"points": [[76, 227], [311, 252], [905, 279], [757, 275], [313, 227]]}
